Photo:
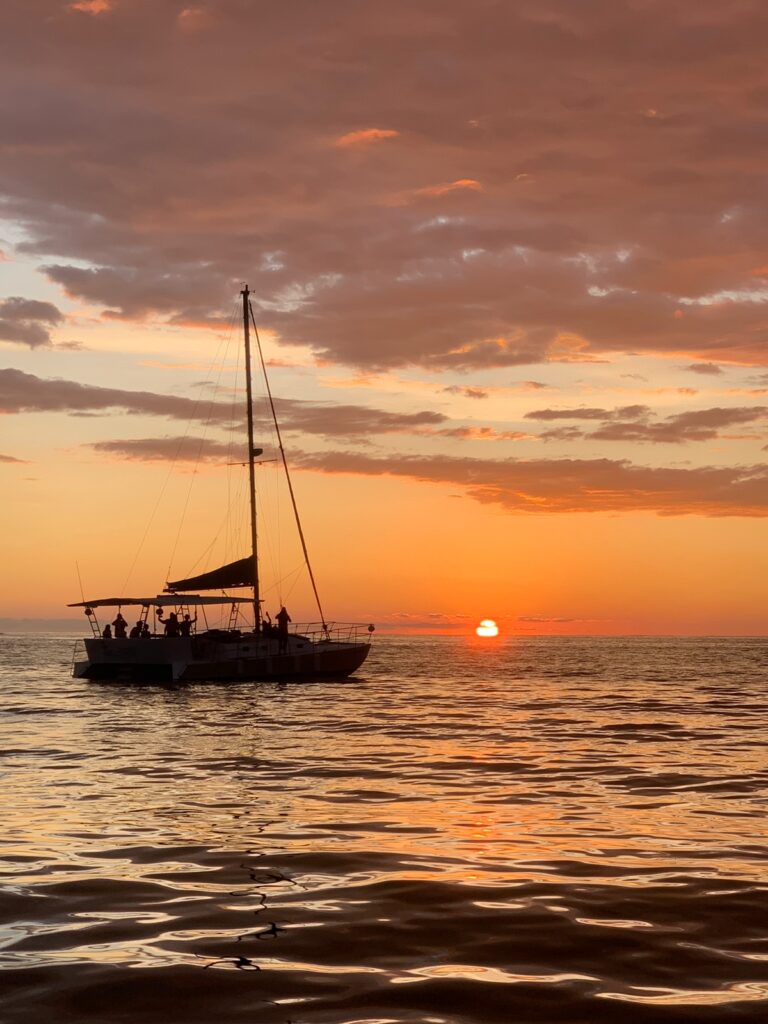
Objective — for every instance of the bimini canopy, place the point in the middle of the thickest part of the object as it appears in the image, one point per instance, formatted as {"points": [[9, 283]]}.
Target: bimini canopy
{"points": [[235, 574], [161, 601]]}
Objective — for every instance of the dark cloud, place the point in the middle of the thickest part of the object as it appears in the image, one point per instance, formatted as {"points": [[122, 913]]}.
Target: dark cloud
{"points": [[27, 321], [167, 449], [637, 423], [353, 422], [24, 392], [626, 412], [586, 216], [12, 459], [701, 425], [482, 434], [466, 392], [706, 369], [562, 434], [571, 485]]}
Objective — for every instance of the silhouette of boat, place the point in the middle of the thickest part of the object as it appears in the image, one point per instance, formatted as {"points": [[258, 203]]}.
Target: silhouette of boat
{"points": [[188, 653]]}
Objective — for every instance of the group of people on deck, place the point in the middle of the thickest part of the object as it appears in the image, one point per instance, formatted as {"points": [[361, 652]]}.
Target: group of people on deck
{"points": [[174, 626]]}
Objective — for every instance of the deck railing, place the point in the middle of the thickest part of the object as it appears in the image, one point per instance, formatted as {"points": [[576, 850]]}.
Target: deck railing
{"points": [[334, 632]]}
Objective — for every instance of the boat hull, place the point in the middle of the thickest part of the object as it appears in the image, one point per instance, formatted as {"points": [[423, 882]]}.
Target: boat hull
{"points": [[211, 659]]}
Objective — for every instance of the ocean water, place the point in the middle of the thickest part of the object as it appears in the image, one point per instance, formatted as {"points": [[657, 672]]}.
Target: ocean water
{"points": [[520, 830]]}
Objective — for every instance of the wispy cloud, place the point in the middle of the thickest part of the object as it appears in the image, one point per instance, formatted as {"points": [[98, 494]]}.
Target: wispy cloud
{"points": [[572, 485]]}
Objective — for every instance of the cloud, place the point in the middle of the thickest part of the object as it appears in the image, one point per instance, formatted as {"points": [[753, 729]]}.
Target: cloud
{"points": [[599, 228], [625, 412], [28, 321], [12, 459], [90, 6], [365, 136], [438, 191], [570, 485], [424, 620], [636, 423], [483, 434], [24, 392], [353, 422], [562, 434], [547, 618], [699, 425], [708, 369], [466, 392], [166, 449]]}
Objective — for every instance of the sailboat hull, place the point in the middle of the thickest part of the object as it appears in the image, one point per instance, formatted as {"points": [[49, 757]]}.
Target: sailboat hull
{"points": [[218, 659]]}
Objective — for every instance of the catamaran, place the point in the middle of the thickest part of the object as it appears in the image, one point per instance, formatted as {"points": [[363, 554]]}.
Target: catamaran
{"points": [[189, 650]]}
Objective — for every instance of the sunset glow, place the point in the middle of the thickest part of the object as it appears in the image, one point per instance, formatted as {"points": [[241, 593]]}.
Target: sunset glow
{"points": [[516, 333], [488, 628]]}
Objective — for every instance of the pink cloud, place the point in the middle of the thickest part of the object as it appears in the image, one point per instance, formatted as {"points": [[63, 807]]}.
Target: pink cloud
{"points": [[91, 6], [365, 136], [626, 220]]}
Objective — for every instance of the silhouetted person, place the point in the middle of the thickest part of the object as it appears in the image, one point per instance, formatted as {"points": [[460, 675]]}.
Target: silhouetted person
{"points": [[283, 618], [145, 632], [171, 624], [107, 632], [135, 631], [185, 626], [120, 625]]}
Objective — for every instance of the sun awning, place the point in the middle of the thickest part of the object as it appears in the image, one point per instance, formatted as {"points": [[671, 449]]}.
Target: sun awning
{"points": [[161, 601], [235, 574]]}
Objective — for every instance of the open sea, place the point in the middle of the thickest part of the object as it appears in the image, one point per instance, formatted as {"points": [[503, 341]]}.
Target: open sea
{"points": [[549, 830]]}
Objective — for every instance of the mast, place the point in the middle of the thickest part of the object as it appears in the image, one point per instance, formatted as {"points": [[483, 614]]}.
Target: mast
{"points": [[251, 471]]}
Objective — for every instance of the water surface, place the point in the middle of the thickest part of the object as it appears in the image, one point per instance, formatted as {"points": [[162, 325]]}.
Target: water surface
{"points": [[523, 830]]}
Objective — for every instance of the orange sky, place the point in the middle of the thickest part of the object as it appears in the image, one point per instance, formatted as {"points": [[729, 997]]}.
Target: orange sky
{"points": [[510, 266]]}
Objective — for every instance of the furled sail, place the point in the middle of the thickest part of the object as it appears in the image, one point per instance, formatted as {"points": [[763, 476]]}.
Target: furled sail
{"points": [[235, 574]]}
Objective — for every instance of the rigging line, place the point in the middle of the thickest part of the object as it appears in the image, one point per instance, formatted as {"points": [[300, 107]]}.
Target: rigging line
{"points": [[79, 580], [284, 579], [285, 466]]}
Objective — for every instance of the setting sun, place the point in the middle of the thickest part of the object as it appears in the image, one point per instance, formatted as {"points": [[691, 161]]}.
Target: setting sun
{"points": [[487, 627]]}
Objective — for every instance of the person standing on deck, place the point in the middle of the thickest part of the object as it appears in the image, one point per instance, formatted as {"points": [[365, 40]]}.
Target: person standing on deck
{"points": [[282, 618], [171, 624], [120, 625], [185, 626]]}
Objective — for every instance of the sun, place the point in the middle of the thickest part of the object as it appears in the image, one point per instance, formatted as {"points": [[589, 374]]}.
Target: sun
{"points": [[487, 628]]}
